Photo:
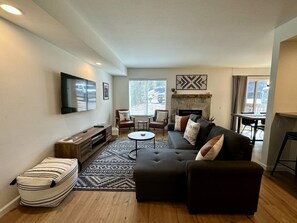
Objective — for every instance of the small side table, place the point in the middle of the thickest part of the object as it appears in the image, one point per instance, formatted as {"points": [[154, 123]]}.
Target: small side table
{"points": [[144, 125], [140, 136]]}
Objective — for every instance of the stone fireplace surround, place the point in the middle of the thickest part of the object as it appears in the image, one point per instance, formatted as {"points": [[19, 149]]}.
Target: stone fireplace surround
{"points": [[190, 102]]}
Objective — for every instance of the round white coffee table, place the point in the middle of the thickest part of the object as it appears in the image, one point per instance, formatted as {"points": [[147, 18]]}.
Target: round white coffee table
{"points": [[140, 136]]}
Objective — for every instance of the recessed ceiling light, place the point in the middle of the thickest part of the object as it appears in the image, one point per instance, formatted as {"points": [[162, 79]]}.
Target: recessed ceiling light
{"points": [[99, 63], [11, 9]]}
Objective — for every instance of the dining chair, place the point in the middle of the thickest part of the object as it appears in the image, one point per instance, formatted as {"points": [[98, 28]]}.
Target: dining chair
{"points": [[247, 122]]}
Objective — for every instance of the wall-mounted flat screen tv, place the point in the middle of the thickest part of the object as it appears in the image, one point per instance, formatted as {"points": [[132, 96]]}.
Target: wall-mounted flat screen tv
{"points": [[77, 94]]}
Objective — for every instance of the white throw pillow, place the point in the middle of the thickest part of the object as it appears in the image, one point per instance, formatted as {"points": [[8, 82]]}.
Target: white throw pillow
{"points": [[191, 131], [161, 116], [124, 115], [211, 149]]}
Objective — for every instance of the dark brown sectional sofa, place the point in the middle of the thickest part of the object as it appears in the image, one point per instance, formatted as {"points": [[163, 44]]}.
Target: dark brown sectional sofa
{"points": [[228, 184]]}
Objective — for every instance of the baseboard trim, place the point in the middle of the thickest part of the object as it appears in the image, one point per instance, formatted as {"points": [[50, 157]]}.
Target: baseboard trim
{"points": [[11, 205], [262, 165], [278, 168]]}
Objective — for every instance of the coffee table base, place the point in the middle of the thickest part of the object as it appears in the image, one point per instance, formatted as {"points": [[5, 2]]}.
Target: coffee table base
{"points": [[133, 153]]}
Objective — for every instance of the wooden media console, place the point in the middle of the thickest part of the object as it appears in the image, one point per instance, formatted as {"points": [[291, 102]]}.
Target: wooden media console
{"points": [[84, 145]]}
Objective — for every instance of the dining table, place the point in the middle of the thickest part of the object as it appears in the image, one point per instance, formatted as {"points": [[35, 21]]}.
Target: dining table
{"points": [[255, 117]]}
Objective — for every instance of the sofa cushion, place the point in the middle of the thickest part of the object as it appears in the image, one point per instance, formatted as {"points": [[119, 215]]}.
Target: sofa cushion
{"points": [[191, 132], [205, 128], [211, 149], [159, 174], [157, 165], [181, 123], [176, 141], [235, 146], [194, 117]]}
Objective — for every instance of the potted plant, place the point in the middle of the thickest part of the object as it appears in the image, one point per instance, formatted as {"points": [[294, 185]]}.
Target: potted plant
{"points": [[173, 90]]}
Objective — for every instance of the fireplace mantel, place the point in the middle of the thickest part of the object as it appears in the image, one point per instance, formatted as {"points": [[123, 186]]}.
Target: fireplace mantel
{"points": [[190, 102], [191, 95]]}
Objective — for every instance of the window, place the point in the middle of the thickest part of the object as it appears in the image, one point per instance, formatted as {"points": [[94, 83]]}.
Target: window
{"points": [[145, 96], [257, 94]]}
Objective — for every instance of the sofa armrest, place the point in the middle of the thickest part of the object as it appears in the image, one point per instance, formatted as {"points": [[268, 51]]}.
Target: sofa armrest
{"points": [[171, 126], [218, 167], [223, 186]]}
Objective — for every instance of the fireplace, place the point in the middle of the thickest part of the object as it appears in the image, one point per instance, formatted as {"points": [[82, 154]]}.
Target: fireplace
{"points": [[184, 112], [190, 104]]}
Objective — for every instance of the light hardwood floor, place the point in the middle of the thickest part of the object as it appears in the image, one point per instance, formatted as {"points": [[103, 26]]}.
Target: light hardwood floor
{"points": [[275, 205]]}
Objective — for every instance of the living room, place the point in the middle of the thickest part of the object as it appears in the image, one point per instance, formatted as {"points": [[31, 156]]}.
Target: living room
{"points": [[30, 92]]}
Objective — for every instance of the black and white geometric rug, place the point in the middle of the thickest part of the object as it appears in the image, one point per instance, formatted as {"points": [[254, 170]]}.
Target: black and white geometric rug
{"points": [[112, 170]]}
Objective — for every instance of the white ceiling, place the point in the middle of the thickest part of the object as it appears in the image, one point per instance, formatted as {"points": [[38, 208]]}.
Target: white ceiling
{"points": [[158, 33]]}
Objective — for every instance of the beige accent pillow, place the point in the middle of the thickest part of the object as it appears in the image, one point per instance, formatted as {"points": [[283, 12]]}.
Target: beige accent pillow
{"points": [[181, 123], [191, 132], [124, 115], [161, 116], [211, 149]]}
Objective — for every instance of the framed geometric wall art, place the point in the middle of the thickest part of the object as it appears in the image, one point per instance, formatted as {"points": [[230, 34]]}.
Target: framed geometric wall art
{"points": [[191, 82]]}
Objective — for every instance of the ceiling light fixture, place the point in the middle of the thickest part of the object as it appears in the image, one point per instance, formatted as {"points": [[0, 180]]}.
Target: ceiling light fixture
{"points": [[99, 63], [11, 9]]}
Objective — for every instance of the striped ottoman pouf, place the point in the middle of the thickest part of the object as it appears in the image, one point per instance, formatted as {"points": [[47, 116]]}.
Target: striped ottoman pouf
{"points": [[48, 183]]}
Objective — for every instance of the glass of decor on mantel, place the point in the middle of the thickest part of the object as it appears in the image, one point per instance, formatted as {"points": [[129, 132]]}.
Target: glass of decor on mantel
{"points": [[173, 90]]}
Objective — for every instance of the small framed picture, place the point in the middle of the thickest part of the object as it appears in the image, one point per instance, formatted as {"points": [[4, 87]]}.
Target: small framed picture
{"points": [[105, 91]]}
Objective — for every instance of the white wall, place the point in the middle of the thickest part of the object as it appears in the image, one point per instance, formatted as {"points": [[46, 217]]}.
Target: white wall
{"points": [[30, 116], [219, 85], [282, 92], [284, 101]]}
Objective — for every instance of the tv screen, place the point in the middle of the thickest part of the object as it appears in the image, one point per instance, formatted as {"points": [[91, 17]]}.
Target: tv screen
{"points": [[77, 94]]}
